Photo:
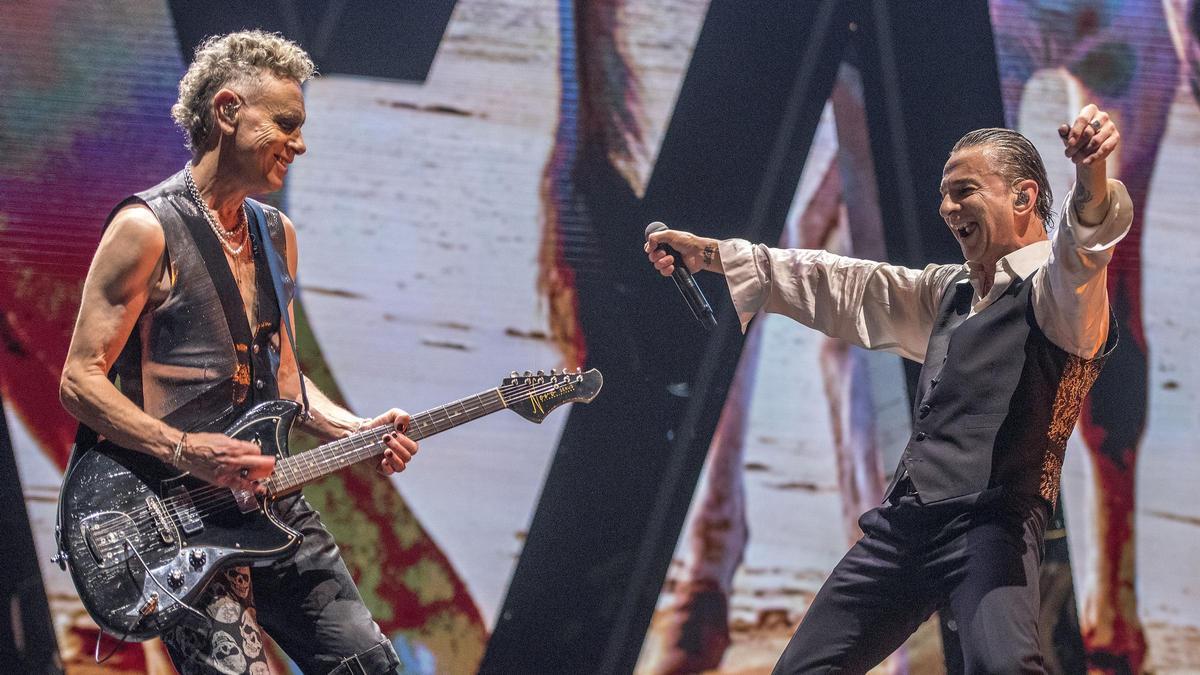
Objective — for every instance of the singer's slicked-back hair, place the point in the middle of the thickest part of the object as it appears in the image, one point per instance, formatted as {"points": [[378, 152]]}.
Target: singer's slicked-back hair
{"points": [[1015, 159]]}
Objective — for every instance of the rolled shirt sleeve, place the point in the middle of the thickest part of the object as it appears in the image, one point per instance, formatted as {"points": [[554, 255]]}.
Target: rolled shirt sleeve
{"points": [[1070, 296], [869, 304]]}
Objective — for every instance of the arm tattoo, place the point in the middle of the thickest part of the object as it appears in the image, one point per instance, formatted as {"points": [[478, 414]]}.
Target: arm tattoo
{"points": [[1082, 194], [708, 254]]}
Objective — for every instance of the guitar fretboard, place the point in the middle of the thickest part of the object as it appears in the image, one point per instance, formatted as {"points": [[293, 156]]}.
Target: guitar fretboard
{"points": [[296, 471]]}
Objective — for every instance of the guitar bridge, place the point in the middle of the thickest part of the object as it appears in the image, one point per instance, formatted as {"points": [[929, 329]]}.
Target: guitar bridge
{"points": [[162, 522]]}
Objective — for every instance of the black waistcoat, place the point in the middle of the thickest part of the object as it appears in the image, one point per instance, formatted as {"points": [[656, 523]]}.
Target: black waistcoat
{"points": [[194, 355], [996, 402]]}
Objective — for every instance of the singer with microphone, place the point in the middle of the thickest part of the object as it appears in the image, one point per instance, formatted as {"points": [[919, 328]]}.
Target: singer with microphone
{"points": [[683, 279], [1010, 341]]}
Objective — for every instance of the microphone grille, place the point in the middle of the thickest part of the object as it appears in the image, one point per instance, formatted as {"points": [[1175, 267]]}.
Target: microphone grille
{"points": [[656, 226]]}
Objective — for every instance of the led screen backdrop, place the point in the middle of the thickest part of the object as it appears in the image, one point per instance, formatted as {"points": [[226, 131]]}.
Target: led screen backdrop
{"points": [[447, 232]]}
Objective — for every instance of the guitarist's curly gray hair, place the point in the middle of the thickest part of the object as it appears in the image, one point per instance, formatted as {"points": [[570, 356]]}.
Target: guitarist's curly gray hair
{"points": [[238, 59]]}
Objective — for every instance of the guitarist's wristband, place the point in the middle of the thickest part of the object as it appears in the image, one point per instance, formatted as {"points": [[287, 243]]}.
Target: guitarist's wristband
{"points": [[177, 454]]}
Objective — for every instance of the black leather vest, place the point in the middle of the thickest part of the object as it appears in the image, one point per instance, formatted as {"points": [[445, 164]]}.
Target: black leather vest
{"points": [[194, 355], [996, 402]]}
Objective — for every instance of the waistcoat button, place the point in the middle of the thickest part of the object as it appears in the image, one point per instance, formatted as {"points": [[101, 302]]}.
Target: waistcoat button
{"points": [[259, 384], [924, 409], [920, 436], [255, 348]]}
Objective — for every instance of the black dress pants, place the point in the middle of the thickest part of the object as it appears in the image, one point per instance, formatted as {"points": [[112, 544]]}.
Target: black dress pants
{"points": [[978, 562], [307, 603]]}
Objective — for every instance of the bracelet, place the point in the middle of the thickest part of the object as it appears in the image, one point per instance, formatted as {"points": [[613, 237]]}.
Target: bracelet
{"points": [[177, 454]]}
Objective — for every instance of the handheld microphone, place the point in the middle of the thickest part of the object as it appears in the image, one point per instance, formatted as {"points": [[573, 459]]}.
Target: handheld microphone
{"points": [[685, 283]]}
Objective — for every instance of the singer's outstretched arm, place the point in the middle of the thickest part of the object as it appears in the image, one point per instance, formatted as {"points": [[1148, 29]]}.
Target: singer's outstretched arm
{"points": [[870, 304]]}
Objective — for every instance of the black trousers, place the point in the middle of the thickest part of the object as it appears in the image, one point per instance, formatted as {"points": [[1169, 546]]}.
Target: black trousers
{"points": [[307, 603], [978, 562]]}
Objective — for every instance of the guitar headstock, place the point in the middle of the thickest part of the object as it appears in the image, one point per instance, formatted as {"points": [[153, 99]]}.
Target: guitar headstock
{"points": [[535, 395]]}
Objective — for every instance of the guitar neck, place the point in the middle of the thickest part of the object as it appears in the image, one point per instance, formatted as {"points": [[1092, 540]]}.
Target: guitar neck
{"points": [[299, 470]]}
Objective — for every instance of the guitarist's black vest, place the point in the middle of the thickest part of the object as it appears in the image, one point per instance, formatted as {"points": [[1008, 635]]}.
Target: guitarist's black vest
{"points": [[996, 402], [194, 355]]}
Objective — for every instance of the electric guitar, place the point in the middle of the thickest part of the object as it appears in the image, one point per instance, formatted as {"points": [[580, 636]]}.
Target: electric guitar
{"points": [[142, 539]]}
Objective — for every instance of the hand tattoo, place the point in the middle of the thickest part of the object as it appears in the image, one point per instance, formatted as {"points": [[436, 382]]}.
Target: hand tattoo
{"points": [[708, 254]]}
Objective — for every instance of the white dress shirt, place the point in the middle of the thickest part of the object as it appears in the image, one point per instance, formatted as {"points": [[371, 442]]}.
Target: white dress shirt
{"points": [[880, 306]]}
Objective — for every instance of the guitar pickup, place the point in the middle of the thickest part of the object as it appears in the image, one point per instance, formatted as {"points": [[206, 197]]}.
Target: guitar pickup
{"points": [[185, 511]]}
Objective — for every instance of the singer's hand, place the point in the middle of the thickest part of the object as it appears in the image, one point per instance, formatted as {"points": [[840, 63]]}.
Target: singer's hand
{"points": [[1091, 137], [698, 253], [1089, 141]]}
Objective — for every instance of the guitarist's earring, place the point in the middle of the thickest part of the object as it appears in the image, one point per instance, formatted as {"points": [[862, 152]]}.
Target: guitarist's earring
{"points": [[229, 112]]}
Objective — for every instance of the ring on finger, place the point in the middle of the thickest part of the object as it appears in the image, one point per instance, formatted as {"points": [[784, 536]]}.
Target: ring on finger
{"points": [[1095, 124], [244, 473]]}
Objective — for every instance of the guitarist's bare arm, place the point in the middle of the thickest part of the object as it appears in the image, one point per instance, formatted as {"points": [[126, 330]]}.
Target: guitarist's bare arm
{"points": [[329, 420], [123, 273]]}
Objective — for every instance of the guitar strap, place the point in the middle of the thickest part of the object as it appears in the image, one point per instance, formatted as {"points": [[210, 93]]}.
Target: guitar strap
{"points": [[278, 267]]}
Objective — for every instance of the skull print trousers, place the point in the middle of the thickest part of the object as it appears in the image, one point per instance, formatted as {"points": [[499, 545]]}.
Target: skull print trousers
{"points": [[307, 602]]}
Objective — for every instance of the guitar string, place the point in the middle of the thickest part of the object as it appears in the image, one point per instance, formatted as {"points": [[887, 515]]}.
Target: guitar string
{"points": [[203, 499], [214, 499], [310, 462]]}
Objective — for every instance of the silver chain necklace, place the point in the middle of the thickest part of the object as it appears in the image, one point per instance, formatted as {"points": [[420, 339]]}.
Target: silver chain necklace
{"points": [[226, 237]]}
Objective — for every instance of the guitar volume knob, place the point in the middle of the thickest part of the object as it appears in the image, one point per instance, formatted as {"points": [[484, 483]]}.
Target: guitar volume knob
{"points": [[197, 558], [175, 578]]}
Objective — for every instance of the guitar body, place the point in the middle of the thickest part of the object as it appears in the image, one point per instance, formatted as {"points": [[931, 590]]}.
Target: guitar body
{"points": [[139, 536]]}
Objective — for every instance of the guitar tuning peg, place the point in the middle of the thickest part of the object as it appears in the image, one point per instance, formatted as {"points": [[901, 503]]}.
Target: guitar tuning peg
{"points": [[579, 371], [528, 374], [554, 372], [541, 374], [513, 374]]}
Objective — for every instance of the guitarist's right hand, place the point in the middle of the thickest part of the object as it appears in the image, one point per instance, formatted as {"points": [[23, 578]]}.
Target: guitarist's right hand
{"points": [[225, 461]]}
